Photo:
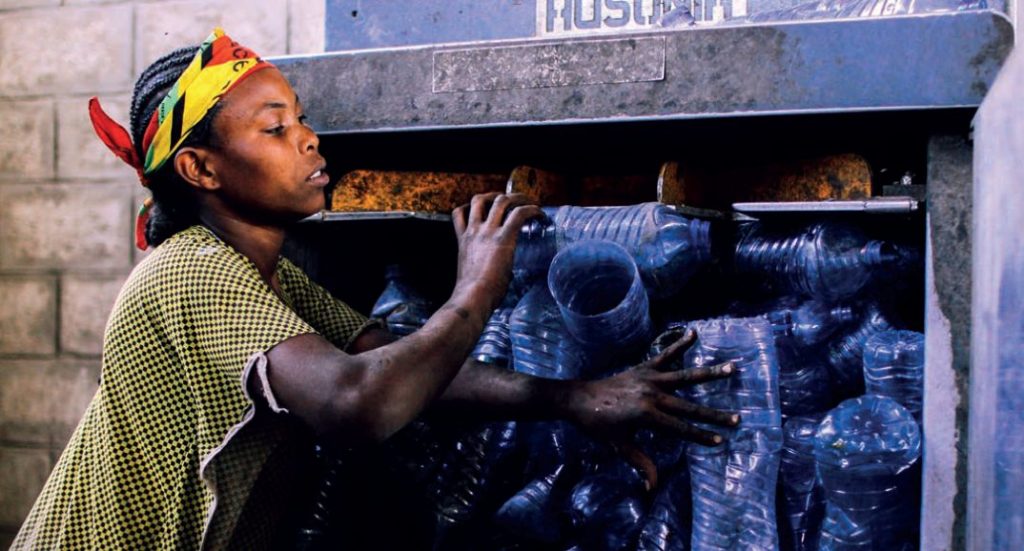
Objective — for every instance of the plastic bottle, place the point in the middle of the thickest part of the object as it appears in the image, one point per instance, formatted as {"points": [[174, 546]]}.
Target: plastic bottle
{"points": [[601, 297], [476, 473], [541, 344], [803, 504], [668, 247], [865, 450], [809, 323], [805, 383], [535, 247], [495, 343], [846, 354], [667, 525], [826, 260], [607, 508], [403, 308], [538, 512], [734, 483], [894, 367]]}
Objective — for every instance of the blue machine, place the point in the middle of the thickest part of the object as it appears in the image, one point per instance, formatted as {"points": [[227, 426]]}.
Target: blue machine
{"points": [[427, 84]]}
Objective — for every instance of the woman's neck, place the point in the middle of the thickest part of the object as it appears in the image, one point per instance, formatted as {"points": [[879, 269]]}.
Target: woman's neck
{"points": [[261, 244]]}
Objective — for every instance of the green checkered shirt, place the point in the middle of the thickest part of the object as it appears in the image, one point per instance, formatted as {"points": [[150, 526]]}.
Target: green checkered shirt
{"points": [[172, 453]]}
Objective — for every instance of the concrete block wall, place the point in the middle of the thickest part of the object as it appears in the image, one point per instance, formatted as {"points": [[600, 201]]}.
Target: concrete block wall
{"points": [[67, 205]]}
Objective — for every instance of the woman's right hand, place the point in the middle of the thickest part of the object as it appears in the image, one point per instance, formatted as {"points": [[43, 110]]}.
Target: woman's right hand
{"points": [[487, 229]]}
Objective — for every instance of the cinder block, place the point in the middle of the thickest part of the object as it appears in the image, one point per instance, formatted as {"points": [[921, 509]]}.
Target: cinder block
{"points": [[26, 142], [28, 315], [22, 477], [80, 153], [41, 402], [86, 226], [11, 4], [161, 27], [85, 304], [66, 50], [306, 20]]}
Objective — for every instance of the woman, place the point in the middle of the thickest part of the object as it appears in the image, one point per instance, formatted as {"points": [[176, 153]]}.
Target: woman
{"points": [[220, 356]]}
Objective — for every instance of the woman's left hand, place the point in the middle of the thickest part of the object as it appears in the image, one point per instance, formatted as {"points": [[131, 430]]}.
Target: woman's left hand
{"points": [[613, 409]]}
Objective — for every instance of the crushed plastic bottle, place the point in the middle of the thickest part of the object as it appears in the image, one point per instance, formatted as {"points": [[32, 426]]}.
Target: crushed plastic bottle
{"points": [[400, 305], [475, 474], [803, 504], [808, 323], [495, 343], [538, 512], [667, 525], [601, 297], [830, 261], [846, 354], [541, 344], [734, 483], [536, 245], [607, 508], [668, 247], [865, 450], [894, 367]]}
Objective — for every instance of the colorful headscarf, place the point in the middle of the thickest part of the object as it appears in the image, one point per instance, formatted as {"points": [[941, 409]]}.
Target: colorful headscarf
{"points": [[219, 64]]}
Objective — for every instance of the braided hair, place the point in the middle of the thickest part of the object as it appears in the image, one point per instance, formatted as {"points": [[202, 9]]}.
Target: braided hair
{"points": [[174, 204]]}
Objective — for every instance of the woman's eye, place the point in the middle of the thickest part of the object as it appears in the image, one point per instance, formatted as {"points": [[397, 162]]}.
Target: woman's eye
{"points": [[275, 130], [303, 119]]}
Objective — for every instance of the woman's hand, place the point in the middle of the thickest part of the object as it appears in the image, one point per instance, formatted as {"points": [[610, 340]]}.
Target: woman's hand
{"points": [[643, 396], [487, 229]]}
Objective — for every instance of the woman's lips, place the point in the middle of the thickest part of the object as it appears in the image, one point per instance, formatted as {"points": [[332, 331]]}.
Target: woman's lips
{"points": [[319, 178]]}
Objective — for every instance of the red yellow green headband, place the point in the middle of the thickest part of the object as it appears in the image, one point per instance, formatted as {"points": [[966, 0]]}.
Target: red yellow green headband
{"points": [[219, 64]]}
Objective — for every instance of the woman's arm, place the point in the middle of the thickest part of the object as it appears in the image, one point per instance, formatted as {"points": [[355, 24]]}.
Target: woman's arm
{"points": [[367, 397]]}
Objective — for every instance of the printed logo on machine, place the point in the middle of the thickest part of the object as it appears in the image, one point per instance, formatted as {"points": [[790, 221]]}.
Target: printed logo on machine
{"points": [[561, 17]]}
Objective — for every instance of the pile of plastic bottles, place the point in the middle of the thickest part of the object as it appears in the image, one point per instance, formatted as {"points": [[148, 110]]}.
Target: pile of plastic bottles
{"points": [[828, 383]]}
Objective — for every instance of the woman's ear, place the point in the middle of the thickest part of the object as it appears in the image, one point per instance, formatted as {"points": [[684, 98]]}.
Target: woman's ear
{"points": [[192, 164]]}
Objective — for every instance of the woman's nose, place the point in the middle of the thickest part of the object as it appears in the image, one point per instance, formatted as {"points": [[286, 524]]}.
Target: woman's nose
{"points": [[310, 141]]}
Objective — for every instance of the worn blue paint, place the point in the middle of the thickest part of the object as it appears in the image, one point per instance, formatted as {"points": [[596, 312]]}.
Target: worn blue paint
{"points": [[356, 24]]}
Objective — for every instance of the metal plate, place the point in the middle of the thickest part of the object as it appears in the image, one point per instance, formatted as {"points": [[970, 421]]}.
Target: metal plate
{"points": [[914, 62], [549, 65]]}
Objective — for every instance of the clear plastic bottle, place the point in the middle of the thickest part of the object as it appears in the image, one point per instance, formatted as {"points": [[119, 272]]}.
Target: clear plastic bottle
{"points": [[734, 483], [475, 473], [826, 260], [400, 305], [805, 383], [802, 500], [865, 450], [607, 507], [539, 511], [846, 354], [495, 343], [601, 297], [535, 247], [668, 523], [809, 323], [541, 344], [894, 367], [668, 247]]}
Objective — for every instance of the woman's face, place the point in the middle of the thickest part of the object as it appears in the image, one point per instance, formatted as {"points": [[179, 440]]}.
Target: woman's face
{"points": [[266, 157]]}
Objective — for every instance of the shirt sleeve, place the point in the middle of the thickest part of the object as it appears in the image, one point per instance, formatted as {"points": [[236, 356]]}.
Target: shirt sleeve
{"points": [[332, 318], [218, 315]]}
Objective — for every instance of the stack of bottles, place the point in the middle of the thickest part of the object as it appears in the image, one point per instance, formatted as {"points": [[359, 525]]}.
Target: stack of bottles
{"points": [[733, 484], [865, 450], [804, 470]]}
